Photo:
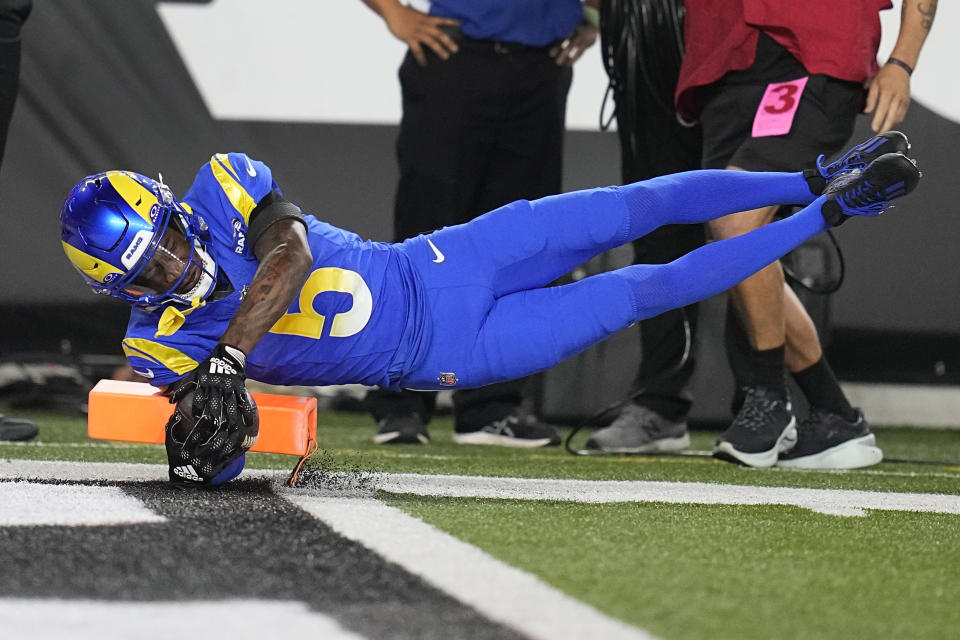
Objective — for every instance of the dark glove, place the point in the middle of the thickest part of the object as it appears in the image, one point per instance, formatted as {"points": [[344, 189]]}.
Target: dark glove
{"points": [[218, 389], [201, 453]]}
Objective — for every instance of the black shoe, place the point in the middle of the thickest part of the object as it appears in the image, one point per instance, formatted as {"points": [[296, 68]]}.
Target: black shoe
{"points": [[405, 429], [17, 429], [826, 441], [762, 428], [869, 192], [510, 431]]}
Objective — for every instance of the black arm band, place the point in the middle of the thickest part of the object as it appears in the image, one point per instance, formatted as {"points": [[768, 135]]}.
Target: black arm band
{"points": [[273, 207]]}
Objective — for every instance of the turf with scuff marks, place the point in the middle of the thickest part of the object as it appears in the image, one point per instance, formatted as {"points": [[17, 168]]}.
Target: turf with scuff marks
{"points": [[724, 571]]}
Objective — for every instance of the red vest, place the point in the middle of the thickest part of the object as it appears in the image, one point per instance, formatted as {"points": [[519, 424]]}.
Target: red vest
{"points": [[838, 38]]}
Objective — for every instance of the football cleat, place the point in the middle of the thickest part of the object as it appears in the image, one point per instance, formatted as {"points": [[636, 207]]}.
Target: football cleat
{"points": [[858, 157], [869, 192], [112, 224]]}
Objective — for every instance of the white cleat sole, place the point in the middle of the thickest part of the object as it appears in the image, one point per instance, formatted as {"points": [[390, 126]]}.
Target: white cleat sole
{"points": [[760, 459], [663, 445], [482, 437], [852, 454]]}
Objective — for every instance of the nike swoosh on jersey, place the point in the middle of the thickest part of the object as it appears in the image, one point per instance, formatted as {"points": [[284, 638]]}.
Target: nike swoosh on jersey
{"points": [[250, 170], [439, 254], [146, 373]]}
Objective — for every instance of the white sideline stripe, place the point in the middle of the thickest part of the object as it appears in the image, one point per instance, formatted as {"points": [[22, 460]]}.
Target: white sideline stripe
{"points": [[830, 501], [495, 589], [101, 471], [30, 504], [54, 619]]}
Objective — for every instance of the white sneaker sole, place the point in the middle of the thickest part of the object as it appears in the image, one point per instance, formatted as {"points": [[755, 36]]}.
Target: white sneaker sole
{"points": [[482, 437], [760, 459], [852, 454], [389, 438], [663, 445]]}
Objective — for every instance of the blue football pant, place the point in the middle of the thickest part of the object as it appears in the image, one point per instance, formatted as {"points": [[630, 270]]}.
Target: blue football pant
{"points": [[493, 316]]}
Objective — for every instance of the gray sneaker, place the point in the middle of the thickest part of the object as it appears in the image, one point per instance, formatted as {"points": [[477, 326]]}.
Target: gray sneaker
{"points": [[640, 430]]}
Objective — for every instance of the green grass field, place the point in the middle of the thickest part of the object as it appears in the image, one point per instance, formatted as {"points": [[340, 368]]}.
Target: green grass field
{"points": [[675, 570]]}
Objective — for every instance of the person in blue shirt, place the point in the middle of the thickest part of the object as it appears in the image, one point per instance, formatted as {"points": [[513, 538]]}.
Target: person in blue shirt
{"points": [[484, 89], [233, 280]]}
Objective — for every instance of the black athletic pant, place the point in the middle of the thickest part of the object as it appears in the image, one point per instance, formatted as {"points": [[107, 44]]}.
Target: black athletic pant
{"points": [[13, 13], [653, 144], [479, 130]]}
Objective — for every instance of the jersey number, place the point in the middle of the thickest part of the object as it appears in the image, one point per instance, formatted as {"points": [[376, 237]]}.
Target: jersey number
{"points": [[309, 324]]}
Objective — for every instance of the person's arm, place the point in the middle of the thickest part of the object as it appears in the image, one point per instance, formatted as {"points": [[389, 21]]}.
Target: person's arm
{"points": [[888, 96], [581, 38], [285, 261], [279, 238], [416, 28]]}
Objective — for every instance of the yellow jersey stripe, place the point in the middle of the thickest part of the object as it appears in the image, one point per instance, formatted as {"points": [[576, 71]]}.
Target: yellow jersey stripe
{"points": [[171, 358], [135, 194], [90, 266], [236, 194]]}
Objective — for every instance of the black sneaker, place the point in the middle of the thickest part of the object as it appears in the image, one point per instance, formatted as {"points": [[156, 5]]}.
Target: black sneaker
{"points": [[827, 441], [403, 429], [869, 192], [511, 431], [762, 428], [17, 429]]}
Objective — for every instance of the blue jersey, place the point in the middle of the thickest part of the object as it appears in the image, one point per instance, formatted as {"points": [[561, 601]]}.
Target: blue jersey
{"points": [[532, 22], [357, 308]]}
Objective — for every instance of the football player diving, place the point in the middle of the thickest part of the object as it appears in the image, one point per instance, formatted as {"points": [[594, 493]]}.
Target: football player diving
{"points": [[233, 280]]}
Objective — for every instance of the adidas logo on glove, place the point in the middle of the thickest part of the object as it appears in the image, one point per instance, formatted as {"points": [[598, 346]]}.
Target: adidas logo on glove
{"points": [[221, 365], [187, 472]]}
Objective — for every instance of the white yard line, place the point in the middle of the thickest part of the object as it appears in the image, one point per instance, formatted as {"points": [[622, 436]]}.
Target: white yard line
{"points": [[495, 589], [100, 471], [29, 504], [831, 501], [96, 620]]}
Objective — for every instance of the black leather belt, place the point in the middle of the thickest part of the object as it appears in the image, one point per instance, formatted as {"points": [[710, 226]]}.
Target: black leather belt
{"points": [[492, 46]]}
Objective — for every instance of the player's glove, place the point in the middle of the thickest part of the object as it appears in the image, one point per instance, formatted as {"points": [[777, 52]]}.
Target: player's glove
{"points": [[200, 453], [217, 385]]}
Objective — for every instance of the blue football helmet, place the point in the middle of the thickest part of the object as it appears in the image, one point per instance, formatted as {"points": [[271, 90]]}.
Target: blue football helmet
{"points": [[112, 223]]}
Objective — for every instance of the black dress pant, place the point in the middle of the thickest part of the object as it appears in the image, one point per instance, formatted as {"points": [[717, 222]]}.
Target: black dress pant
{"points": [[479, 130]]}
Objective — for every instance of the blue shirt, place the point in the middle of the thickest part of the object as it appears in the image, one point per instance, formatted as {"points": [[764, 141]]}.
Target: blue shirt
{"points": [[531, 22], [357, 308]]}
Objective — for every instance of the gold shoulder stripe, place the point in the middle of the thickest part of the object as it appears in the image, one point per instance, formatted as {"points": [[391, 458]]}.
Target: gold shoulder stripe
{"points": [[225, 161], [90, 266], [171, 358], [139, 198], [227, 177]]}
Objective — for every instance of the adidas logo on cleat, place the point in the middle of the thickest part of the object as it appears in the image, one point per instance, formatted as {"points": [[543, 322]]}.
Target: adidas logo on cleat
{"points": [[869, 192]]}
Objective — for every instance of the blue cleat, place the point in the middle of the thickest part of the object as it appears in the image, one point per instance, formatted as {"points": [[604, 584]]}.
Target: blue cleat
{"points": [[869, 192], [857, 158]]}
